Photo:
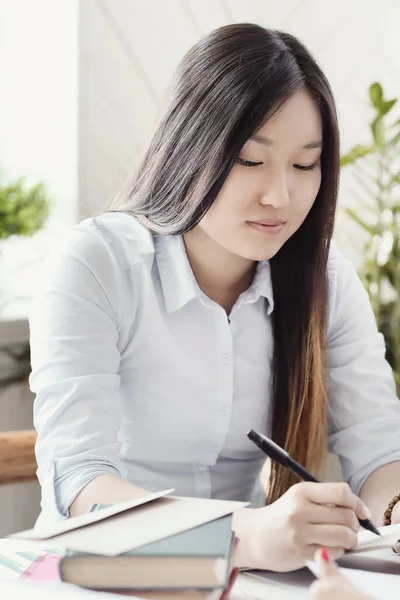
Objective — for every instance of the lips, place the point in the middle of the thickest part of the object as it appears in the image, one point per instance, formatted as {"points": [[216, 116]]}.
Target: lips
{"points": [[269, 222], [268, 226]]}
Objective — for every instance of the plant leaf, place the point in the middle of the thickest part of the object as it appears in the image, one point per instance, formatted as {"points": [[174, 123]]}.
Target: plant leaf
{"points": [[378, 132], [376, 94], [22, 211], [349, 211], [385, 107], [354, 154]]}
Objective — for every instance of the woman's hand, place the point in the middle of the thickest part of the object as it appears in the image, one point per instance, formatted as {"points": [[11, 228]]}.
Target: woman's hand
{"points": [[287, 533], [332, 585]]}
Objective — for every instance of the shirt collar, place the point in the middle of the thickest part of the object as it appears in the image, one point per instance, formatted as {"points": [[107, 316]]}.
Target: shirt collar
{"points": [[261, 286], [179, 284]]}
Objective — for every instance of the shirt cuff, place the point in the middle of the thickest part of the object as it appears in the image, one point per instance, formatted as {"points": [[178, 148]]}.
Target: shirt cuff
{"points": [[357, 480], [59, 493]]}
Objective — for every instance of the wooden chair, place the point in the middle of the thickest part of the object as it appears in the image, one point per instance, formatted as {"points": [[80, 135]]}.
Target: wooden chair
{"points": [[17, 456]]}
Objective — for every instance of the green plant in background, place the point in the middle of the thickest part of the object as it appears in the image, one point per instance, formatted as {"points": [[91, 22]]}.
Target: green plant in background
{"points": [[376, 167], [23, 211]]}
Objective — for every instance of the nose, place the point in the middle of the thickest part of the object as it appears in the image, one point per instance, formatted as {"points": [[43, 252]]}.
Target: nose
{"points": [[276, 192]]}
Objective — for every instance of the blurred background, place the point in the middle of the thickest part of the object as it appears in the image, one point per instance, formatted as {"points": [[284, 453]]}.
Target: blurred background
{"points": [[81, 83]]}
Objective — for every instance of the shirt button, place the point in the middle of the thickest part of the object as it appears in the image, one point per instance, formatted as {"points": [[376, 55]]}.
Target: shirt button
{"points": [[225, 359], [223, 410]]}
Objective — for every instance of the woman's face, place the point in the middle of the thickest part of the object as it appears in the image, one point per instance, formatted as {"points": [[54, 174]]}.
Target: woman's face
{"points": [[271, 188]]}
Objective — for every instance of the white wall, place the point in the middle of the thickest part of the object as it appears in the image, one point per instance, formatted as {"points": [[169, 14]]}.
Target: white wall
{"points": [[39, 97], [81, 99], [83, 80]]}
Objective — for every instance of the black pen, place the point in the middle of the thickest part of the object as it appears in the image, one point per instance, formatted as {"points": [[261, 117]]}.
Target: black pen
{"points": [[282, 457]]}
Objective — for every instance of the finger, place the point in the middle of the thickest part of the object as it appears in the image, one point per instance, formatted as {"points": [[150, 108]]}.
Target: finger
{"points": [[318, 591], [326, 566], [321, 590], [332, 515], [338, 494], [334, 553], [332, 536], [332, 588]]}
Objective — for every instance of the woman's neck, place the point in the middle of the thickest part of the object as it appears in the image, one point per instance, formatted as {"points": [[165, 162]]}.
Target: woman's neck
{"points": [[221, 275]]}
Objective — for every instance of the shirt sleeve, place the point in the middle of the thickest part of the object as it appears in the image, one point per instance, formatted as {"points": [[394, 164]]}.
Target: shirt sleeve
{"points": [[75, 371], [363, 409]]}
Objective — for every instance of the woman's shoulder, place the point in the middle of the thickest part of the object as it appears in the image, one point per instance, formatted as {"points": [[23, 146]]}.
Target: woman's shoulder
{"points": [[116, 234], [111, 238], [106, 245], [95, 255]]}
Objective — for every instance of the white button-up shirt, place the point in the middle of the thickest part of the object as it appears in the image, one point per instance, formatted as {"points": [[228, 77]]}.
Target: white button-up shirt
{"points": [[139, 374]]}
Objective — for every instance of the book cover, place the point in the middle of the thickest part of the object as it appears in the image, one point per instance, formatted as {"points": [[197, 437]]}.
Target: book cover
{"points": [[212, 539], [198, 558]]}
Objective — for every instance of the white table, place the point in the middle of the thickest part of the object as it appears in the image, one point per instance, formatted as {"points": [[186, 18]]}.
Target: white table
{"points": [[63, 591]]}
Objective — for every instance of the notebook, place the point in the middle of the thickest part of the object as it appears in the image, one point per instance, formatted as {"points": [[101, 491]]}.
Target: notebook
{"points": [[198, 558], [44, 568], [56, 528], [18, 562], [151, 518], [369, 541]]}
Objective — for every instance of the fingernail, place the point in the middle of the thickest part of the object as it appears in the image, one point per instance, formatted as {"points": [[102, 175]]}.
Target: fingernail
{"points": [[365, 512], [325, 555]]}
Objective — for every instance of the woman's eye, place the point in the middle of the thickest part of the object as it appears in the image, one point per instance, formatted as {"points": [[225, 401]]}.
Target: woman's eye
{"points": [[248, 163], [305, 167]]}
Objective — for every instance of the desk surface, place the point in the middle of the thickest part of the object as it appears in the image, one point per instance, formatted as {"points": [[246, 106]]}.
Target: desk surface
{"points": [[261, 586], [246, 588]]}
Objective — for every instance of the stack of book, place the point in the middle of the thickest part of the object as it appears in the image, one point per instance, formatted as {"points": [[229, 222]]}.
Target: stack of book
{"points": [[155, 547]]}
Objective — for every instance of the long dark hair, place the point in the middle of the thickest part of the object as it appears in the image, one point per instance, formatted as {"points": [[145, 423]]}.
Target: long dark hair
{"points": [[225, 88]]}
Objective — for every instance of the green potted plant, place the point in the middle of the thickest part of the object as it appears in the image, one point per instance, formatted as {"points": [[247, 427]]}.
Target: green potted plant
{"points": [[23, 211], [376, 168]]}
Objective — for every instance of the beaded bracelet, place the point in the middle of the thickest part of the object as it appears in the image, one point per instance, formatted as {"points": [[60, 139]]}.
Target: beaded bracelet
{"points": [[387, 517]]}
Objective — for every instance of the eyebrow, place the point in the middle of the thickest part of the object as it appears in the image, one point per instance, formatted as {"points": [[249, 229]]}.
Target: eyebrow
{"points": [[261, 139]]}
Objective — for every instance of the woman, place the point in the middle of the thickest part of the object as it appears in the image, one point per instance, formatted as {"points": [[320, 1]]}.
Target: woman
{"points": [[211, 301]]}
